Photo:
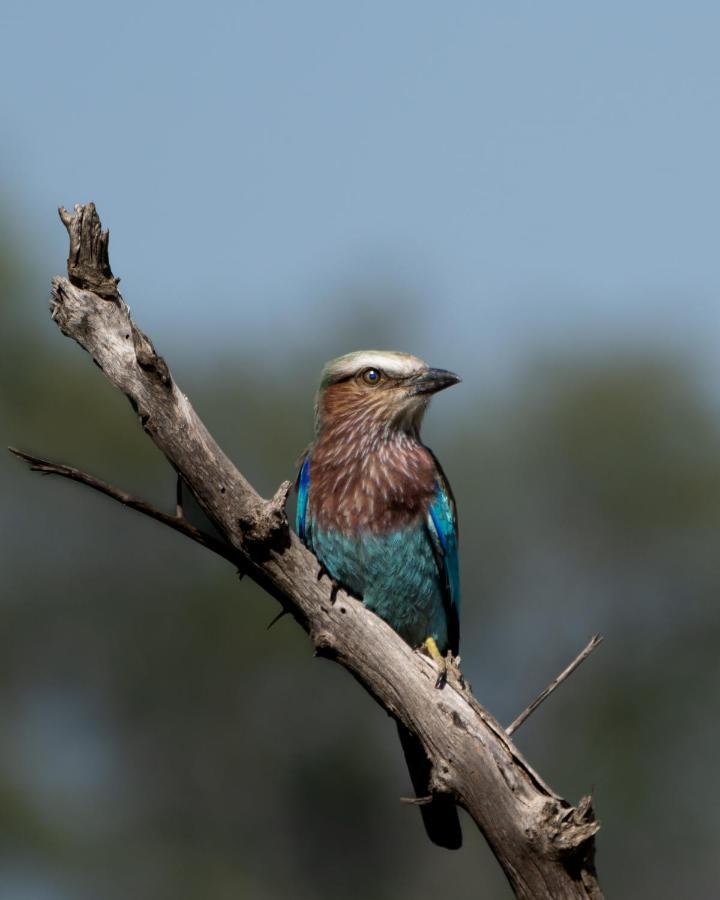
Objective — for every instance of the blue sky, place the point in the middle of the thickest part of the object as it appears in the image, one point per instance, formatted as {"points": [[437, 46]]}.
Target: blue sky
{"points": [[526, 175]]}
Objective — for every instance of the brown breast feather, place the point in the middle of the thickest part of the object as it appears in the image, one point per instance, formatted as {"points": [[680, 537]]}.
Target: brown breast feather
{"points": [[369, 480]]}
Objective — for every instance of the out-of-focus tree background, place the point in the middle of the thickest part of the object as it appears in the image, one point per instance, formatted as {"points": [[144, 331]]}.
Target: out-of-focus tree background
{"points": [[527, 195]]}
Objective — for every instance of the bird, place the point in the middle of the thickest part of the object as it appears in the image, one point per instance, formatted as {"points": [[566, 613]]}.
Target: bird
{"points": [[377, 510]]}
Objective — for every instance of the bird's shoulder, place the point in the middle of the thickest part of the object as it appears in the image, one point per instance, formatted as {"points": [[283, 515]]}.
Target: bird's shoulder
{"points": [[443, 506]]}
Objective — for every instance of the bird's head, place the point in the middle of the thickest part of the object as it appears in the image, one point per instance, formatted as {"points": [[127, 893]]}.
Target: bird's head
{"points": [[378, 388]]}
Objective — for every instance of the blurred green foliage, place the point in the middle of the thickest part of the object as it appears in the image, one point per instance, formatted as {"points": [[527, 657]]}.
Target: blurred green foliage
{"points": [[158, 742]]}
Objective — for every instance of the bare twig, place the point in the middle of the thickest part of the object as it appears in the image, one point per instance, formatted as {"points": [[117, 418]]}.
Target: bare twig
{"points": [[595, 640], [276, 619], [177, 522]]}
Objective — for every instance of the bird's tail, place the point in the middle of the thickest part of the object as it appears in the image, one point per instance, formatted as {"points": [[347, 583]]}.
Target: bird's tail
{"points": [[440, 816]]}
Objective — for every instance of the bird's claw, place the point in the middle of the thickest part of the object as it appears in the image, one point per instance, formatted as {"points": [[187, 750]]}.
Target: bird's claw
{"points": [[335, 586]]}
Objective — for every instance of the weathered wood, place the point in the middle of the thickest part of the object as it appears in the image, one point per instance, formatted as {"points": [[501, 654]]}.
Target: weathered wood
{"points": [[545, 845]]}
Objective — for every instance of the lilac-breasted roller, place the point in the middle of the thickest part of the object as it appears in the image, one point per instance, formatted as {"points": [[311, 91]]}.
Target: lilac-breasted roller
{"points": [[376, 509]]}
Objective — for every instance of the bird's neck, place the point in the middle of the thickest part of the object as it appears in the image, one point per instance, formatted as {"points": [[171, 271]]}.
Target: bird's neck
{"points": [[349, 440], [341, 413]]}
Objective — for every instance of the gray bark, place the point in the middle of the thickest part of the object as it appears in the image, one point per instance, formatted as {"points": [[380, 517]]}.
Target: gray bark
{"points": [[545, 845]]}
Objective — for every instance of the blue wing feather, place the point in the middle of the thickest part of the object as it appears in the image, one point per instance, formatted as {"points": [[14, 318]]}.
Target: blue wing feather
{"points": [[303, 487], [443, 529]]}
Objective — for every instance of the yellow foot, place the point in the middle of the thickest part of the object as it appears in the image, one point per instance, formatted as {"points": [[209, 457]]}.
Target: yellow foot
{"points": [[434, 652]]}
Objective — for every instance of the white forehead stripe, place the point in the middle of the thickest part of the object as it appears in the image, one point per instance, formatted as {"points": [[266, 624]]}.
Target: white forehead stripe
{"points": [[389, 361]]}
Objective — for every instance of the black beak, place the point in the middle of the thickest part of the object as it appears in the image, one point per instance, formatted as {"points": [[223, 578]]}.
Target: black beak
{"points": [[432, 381]]}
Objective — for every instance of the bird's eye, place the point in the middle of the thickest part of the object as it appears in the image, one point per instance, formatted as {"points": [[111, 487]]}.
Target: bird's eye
{"points": [[372, 377]]}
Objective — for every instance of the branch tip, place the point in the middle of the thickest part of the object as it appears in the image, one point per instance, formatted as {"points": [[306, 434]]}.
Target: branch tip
{"points": [[88, 263]]}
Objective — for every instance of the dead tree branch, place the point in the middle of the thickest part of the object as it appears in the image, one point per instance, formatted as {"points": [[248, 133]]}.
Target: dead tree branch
{"points": [[545, 845]]}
